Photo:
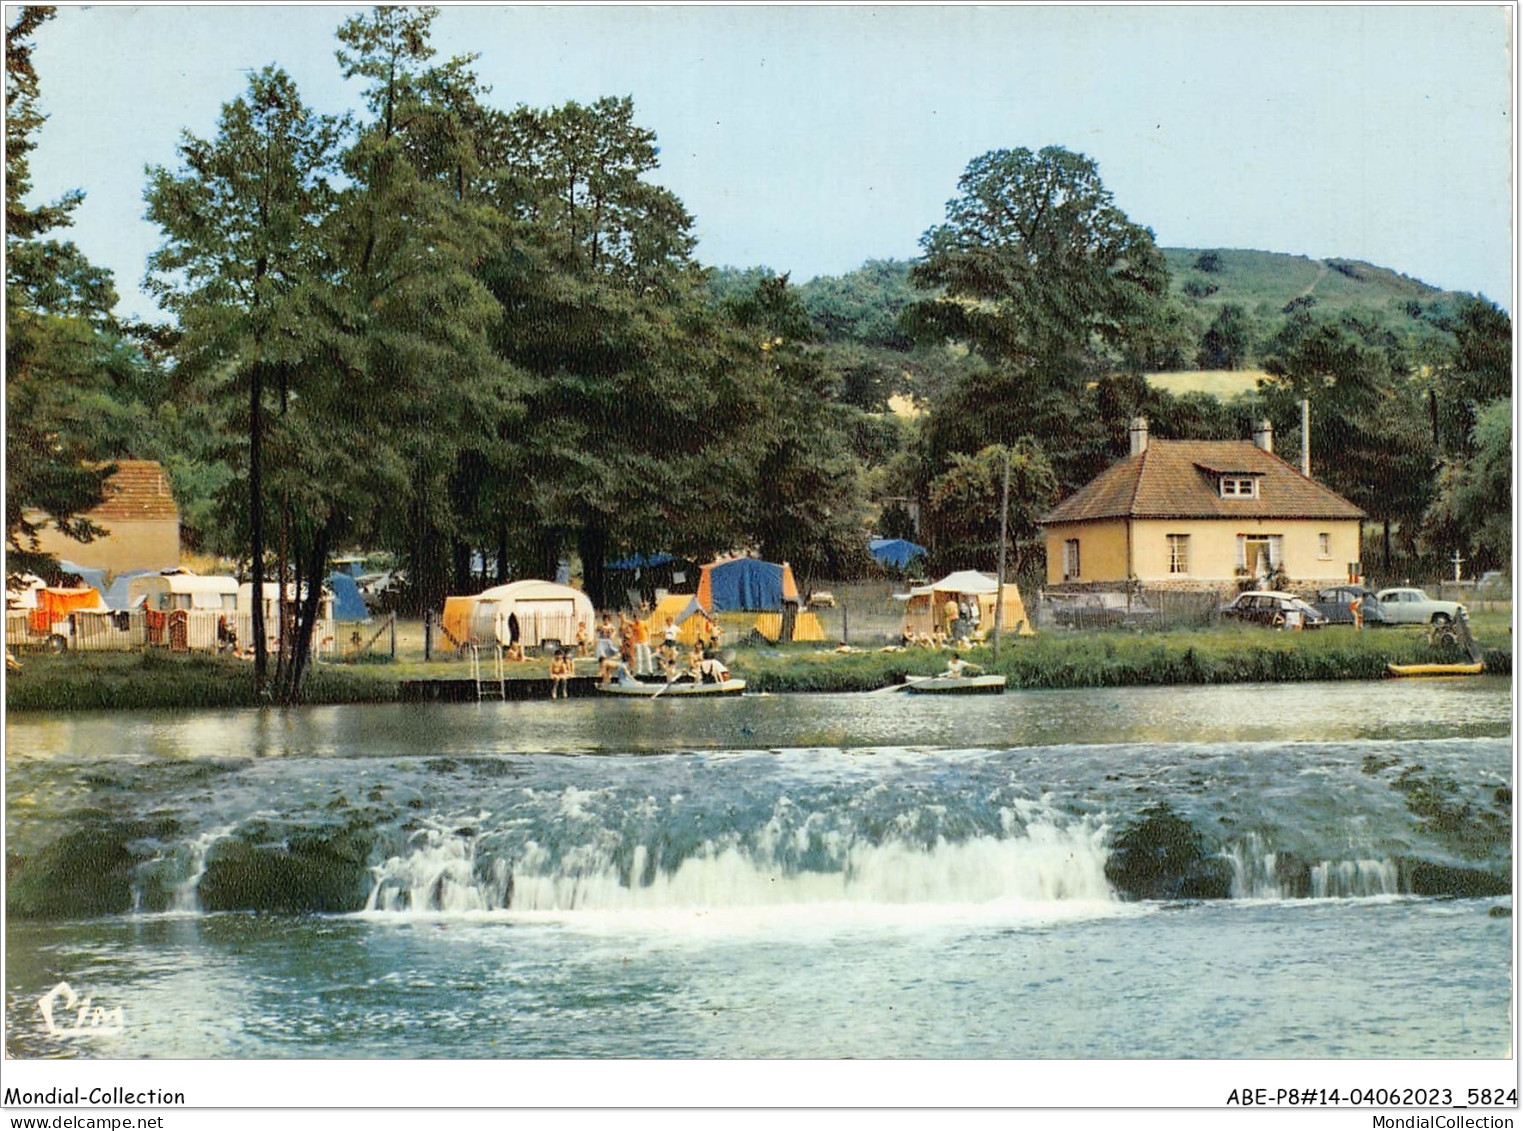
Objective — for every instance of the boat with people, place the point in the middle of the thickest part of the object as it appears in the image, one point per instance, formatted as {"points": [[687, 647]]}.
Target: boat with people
{"points": [[646, 689]]}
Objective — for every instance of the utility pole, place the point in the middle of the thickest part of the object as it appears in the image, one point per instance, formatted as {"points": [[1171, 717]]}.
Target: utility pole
{"points": [[999, 590]]}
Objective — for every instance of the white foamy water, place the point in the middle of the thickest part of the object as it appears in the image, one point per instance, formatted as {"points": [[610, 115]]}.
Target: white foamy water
{"points": [[1042, 870], [1256, 874]]}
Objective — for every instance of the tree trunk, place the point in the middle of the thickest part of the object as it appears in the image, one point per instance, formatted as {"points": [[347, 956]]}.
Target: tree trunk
{"points": [[592, 544], [460, 551], [256, 522], [308, 607]]}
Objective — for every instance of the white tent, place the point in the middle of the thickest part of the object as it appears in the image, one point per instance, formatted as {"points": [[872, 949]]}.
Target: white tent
{"points": [[530, 612], [923, 610]]}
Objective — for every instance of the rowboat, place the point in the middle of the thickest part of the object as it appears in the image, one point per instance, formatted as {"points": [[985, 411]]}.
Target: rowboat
{"points": [[956, 685], [638, 690], [1435, 669]]}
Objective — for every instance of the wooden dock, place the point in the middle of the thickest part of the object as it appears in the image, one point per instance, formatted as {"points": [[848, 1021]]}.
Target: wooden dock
{"points": [[466, 690]]}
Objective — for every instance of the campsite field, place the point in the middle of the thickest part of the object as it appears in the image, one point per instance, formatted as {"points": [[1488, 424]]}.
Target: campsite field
{"points": [[1083, 658]]}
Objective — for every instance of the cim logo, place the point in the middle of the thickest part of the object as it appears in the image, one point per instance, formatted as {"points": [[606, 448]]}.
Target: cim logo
{"points": [[90, 1020]]}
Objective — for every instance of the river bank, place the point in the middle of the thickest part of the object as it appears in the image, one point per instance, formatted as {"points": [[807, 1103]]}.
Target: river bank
{"points": [[157, 679]]}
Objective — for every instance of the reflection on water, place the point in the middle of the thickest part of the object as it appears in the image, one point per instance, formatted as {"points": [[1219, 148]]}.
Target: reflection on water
{"points": [[1240, 712]]}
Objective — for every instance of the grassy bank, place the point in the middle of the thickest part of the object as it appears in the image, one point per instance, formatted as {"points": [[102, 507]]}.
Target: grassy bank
{"points": [[154, 679], [1118, 659], [111, 681]]}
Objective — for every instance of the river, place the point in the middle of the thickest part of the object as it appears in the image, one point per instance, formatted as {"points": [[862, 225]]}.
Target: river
{"points": [[1268, 871]]}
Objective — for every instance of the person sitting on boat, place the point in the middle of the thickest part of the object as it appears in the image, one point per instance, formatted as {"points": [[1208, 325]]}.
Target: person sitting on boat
{"points": [[667, 662], [710, 667], [560, 675], [957, 667]]}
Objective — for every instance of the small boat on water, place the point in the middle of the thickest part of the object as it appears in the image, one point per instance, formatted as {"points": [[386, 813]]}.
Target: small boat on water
{"points": [[1435, 669], [638, 690], [956, 685]]}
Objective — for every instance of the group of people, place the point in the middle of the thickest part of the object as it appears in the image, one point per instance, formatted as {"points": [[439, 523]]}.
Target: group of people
{"points": [[960, 616], [624, 651]]}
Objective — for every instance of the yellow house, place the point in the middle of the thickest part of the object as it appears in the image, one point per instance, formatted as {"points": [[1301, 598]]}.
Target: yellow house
{"points": [[141, 521], [1201, 514]]}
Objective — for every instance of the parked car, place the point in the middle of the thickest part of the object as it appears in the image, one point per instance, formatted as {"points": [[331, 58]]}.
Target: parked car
{"points": [[1270, 607], [1336, 604], [1413, 606], [1100, 610]]}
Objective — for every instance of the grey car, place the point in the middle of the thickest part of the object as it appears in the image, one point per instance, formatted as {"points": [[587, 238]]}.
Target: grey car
{"points": [[1269, 607], [1336, 604]]}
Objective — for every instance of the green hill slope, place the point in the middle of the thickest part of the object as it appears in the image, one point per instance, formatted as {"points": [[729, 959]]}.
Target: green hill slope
{"points": [[1266, 282]]}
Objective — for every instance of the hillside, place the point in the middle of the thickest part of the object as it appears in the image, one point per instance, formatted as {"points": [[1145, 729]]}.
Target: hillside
{"points": [[1266, 282], [1256, 292]]}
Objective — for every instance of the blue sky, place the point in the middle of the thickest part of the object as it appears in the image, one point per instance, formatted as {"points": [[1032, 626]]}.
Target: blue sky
{"points": [[810, 139]]}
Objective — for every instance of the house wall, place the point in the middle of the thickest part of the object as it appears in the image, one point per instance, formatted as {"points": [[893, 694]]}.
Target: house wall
{"points": [[1213, 550], [128, 545], [1102, 550]]}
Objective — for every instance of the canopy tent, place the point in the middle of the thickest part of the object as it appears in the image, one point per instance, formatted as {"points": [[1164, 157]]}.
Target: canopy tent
{"points": [[923, 611], [745, 583], [347, 602], [686, 613], [529, 612], [896, 552]]}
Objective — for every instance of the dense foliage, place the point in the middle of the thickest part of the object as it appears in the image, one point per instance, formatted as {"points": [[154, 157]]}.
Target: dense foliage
{"points": [[479, 339]]}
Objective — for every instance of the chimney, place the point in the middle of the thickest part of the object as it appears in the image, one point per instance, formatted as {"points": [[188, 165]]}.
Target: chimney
{"points": [[1139, 435], [1263, 436]]}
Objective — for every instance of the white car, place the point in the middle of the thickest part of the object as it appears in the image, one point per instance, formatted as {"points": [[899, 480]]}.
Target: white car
{"points": [[1413, 606]]}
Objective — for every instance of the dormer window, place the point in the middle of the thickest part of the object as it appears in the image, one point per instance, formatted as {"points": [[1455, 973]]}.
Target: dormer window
{"points": [[1240, 486]]}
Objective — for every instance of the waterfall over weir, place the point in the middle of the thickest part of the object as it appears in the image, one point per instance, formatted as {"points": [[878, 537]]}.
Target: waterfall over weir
{"points": [[1040, 863], [1261, 873]]}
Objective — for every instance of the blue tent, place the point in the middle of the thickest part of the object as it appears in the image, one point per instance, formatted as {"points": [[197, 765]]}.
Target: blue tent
{"points": [[347, 602], [895, 552], [641, 561], [117, 597], [94, 578], [745, 583]]}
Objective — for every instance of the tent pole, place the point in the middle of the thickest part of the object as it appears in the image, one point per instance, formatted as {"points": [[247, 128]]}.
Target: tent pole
{"points": [[999, 592]]}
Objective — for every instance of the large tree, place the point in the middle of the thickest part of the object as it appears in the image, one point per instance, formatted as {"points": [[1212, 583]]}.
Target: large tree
{"points": [[641, 419], [411, 234], [242, 269], [1370, 440], [1035, 262], [64, 352], [963, 507], [1472, 509], [1037, 271]]}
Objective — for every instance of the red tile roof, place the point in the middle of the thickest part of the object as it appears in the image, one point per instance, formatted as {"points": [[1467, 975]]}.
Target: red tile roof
{"points": [[139, 490], [1179, 479]]}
